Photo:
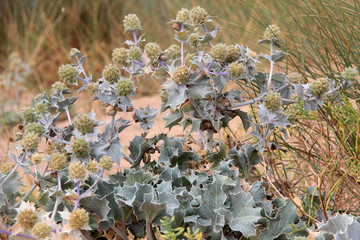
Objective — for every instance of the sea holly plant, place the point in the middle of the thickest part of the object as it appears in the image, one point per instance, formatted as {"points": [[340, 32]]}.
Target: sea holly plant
{"points": [[200, 181]]}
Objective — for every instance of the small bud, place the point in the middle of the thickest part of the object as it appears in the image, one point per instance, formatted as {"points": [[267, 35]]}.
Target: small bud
{"points": [[183, 16], [27, 218], [181, 75], [58, 161], [80, 148], [93, 87], [42, 230], [106, 163], [198, 16], [319, 87], [152, 50], [6, 167], [350, 74], [34, 127], [68, 74], [74, 52], [233, 53], [271, 32], [173, 51], [132, 22], [84, 124], [77, 171], [219, 52], [18, 130], [124, 87], [58, 87], [38, 97], [41, 108], [28, 115], [110, 110], [176, 26], [273, 102], [36, 158], [111, 73], [135, 54], [92, 166], [119, 56], [296, 77], [236, 69], [31, 141], [78, 219], [194, 39]]}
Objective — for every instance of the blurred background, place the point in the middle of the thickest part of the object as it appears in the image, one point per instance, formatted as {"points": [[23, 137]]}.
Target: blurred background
{"points": [[321, 36]]}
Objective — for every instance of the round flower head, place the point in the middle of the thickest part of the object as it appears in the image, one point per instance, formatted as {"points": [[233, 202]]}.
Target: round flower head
{"points": [[219, 52], [296, 77], [74, 52], [80, 147], [78, 218], [58, 161], [233, 53], [152, 50], [34, 127], [31, 141], [198, 16], [36, 158], [273, 102], [38, 97], [77, 171], [181, 75], [124, 87], [106, 162], [183, 16], [271, 32], [41, 230], [27, 216], [93, 87], [132, 22], [68, 74], [58, 87], [134, 54], [84, 124], [236, 69], [28, 115], [350, 74], [193, 39], [319, 87], [92, 166], [40, 108], [6, 167], [119, 56], [111, 73]]}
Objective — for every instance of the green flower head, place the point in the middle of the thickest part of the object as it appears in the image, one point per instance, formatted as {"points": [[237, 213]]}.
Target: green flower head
{"points": [[132, 22], [80, 148], [124, 87], [198, 16], [194, 39], [106, 162], [111, 73], [181, 75], [152, 50], [34, 127], [68, 74], [296, 77], [236, 69], [58, 161], [84, 124], [31, 141], [273, 102], [120, 56], [271, 32], [319, 87], [233, 53], [183, 16], [135, 54], [28, 115], [219, 52], [350, 74]]}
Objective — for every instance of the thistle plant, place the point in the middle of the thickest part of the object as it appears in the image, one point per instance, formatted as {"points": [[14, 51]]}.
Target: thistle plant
{"points": [[203, 190]]}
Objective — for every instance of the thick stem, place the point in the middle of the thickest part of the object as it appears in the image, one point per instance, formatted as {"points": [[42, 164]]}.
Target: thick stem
{"points": [[81, 79], [134, 35], [92, 186], [19, 234], [271, 63], [13, 170], [78, 193], [68, 115], [209, 140], [112, 123], [121, 232], [149, 232]]}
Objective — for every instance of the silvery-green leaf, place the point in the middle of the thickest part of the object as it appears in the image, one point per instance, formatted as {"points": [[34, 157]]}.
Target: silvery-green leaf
{"points": [[278, 56], [140, 176], [100, 208], [173, 118]]}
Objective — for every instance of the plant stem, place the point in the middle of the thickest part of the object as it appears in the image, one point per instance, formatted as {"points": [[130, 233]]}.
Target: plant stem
{"points": [[19, 234], [81, 79], [134, 35], [92, 186], [13, 170], [206, 31], [271, 63], [182, 47], [112, 123], [78, 193], [120, 233], [68, 115], [149, 232], [57, 198]]}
